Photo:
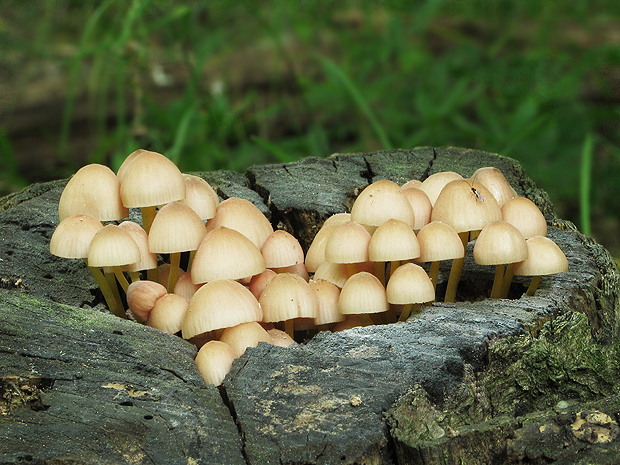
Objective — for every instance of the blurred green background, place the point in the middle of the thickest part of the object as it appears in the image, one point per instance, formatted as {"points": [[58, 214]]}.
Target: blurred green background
{"points": [[228, 84]]}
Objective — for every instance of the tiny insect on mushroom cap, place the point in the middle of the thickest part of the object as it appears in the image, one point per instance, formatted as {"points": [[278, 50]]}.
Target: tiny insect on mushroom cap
{"points": [[226, 254], [379, 202], [141, 297], [434, 184], [168, 313], [217, 305], [95, 190], [282, 249], [496, 183], [73, 235], [214, 361], [421, 205], [363, 293], [200, 196], [522, 213], [245, 335], [315, 255], [242, 216]]}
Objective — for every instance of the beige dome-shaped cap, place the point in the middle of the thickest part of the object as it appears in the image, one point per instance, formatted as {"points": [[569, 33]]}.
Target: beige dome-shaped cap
{"points": [[499, 242], [409, 284], [412, 183], [200, 196], [219, 304], [335, 273], [168, 313], [226, 254], [523, 214], [113, 246], [243, 216], [394, 240], [141, 297], [245, 335], [148, 259], [316, 252], [214, 361], [544, 257], [327, 294], [458, 206], [439, 241], [379, 202], [348, 243], [494, 180], [151, 179], [176, 228], [73, 235], [288, 296], [362, 293], [434, 184], [421, 205], [93, 190], [282, 249]]}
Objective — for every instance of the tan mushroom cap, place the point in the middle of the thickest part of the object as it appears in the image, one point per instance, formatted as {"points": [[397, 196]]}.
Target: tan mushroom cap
{"points": [[94, 190], [544, 257], [362, 293], [219, 304], [168, 313], [113, 246], [421, 205], [409, 284], [214, 361], [439, 241], [184, 286], [282, 249], [412, 183], [288, 296], [335, 273], [499, 243], [393, 240], [148, 259], [176, 228], [150, 179], [522, 213], [316, 252], [348, 243], [495, 181], [280, 338], [242, 216], [141, 297], [379, 202], [200, 196], [458, 206], [245, 335], [226, 254], [327, 294], [73, 235], [435, 183]]}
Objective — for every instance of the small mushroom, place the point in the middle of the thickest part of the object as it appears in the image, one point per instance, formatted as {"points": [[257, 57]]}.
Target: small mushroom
{"points": [[544, 257], [214, 360]]}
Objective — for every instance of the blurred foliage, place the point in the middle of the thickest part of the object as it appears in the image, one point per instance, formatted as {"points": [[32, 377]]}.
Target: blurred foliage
{"points": [[224, 85]]}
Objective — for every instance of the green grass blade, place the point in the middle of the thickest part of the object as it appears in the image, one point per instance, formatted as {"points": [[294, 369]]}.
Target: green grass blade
{"points": [[180, 135], [585, 183]]}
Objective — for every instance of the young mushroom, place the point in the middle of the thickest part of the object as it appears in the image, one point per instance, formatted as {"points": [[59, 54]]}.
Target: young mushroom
{"points": [[544, 258], [363, 294], [214, 360], [409, 286]]}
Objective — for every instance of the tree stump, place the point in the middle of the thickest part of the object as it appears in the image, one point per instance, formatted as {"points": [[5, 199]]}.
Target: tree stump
{"points": [[480, 380]]}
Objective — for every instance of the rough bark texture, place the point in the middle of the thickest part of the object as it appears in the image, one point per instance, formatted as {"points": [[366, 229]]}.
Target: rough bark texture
{"points": [[524, 379]]}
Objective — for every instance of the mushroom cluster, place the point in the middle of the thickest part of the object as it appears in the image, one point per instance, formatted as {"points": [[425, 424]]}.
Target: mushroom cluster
{"points": [[228, 280]]}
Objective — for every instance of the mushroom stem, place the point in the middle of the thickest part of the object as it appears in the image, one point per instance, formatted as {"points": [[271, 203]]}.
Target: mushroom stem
{"points": [[531, 290], [366, 319], [390, 315], [496, 291], [173, 277], [148, 215], [456, 270], [153, 275], [351, 269], [108, 295], [120, 277], [407, 310], [289, 327], [393, 266], [134, 276], [507, 281], [434, 273], [380, 271], [118, 306]]}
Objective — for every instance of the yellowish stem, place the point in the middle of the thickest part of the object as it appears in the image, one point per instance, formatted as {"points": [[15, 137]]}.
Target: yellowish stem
{"points": [[507, 281], [148, 215], [120, 277], [106, 291], [407, 310], [434, 273], [531, 290], [289, 327], [366, 319], [498, 282], [175, 261], [134, 276], [118, 309], [456, 271], [380, 272]]}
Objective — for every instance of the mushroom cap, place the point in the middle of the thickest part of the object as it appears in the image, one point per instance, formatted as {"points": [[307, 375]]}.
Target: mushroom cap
{"points": [[219, 304], [458, 206], [316, 252], [421, 205], [242, 216], [141, 297], [499, 243], [148, 259], [95, 190], [522, 213], [200, 196], [288, 296], [259, 281], [379, 202], [493, 179], [245, 335], [150, 179], [409, 284], [73, 235], [392, 241], [226, 254], [348, 243], [415, 183], [184, 286], [282, 249], [335, 273], [327, 295], [214, 361], [435, 183], [113, 246], [168, 313], [280, 338], [176, 228], [544, 257], [362, 293], [439, 241]]}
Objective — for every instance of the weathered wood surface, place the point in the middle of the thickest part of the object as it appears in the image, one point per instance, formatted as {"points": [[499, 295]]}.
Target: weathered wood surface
{"points": [[137, 398]]}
